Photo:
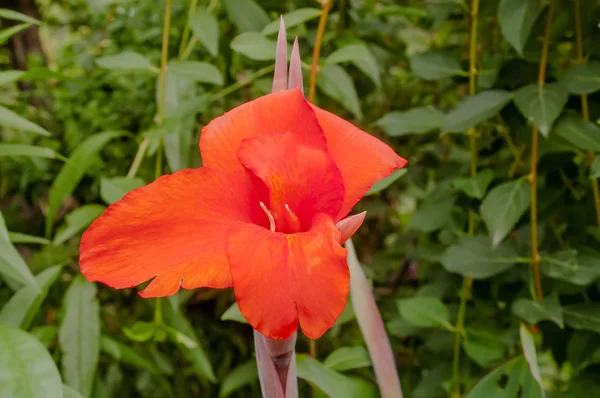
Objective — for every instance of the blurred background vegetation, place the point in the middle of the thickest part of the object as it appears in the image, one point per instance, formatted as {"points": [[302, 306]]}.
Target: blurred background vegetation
{"points": [[488, 288]]}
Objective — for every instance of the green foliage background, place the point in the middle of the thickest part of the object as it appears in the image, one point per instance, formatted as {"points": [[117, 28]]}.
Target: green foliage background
{"points": [[447, 244]]}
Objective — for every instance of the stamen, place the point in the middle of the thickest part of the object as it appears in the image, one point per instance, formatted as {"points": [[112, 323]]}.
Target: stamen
{"points": [[292, 219], [269, 215]]}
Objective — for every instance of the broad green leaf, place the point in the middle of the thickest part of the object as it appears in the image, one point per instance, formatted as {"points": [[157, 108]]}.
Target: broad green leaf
{"points": [[332, 383], [595, 168], [240, 376], [346, 358], [254, 46], [434, 65], [530, 355], [247, 15], [335, 82], [23, 305], [475, 187], [113, 189], [127, 60], [511, 380], [425, 312], [475, 109], [583, 134], [475, 257], [79, 335], [583, 316], [583, 349], [68, 392], [12, 264], [534, 311], [7, 33], [541, 105], [233, 314], [9, 76], [582, 78], [434, 213], [126, 354], [206, 28], [413, 121], [197, 71], [28, 150], [291, 19], [17, 16], [484, 347], [17, 237], [11, 120], [503, 206], [386, 182], [361, 57], [73, 171], [516, 19], [26, 368], [140, 331], [76, 221], [580, 270]]}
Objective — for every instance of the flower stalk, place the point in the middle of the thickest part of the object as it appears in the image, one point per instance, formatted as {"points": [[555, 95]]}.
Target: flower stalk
{"points": [[314, 68]]}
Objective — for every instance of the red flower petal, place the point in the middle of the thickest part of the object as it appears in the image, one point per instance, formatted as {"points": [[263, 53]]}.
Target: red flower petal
{"points": [[361, 158], [302, 177], [282, 112], [173, 229], [279, 279]]}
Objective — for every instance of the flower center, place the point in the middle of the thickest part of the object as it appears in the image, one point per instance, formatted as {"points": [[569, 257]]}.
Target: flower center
{"points": [[282, 220]]}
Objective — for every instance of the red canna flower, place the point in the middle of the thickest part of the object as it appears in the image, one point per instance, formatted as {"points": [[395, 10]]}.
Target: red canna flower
{"points": [[265, 214]]}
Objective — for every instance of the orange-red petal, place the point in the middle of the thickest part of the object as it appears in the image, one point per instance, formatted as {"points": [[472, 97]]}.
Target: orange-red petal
{"points": [[280, 279], [281, 112], [173, 230], [302, 177], [361, 158]]}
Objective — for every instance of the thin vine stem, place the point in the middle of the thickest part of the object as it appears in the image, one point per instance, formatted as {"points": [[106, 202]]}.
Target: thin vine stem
{"points": [[186, 30], [314, 69]]}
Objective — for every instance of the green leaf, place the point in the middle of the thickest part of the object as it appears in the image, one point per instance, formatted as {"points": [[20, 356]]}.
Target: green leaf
{"points": [[530, 355], [113, 189], [332, 383], [12, 264], [516, 19], [434, 213], [68, 392], [79, 335], [233, 314], [583, 134], [17, 237], [197, 71], [541, 105], [475, 187], [361, 57], [425, 312], [240, 376], [26, 368], [484, 347], [206, 28], [503, 206], [23, 305], [413, 121], [17, 16], [9, 76], [291, 19], [583, 316], [475, 257], [337, 84], [11, 120], [7, 33], [595, 168], [254, 46], [73, 171], [534, 311], [76, 221], [434, 65], [386, 182], [511, 380], [475, 109], [582, 78], [28, 150], [346, 358], [126, 354], [568, 266], [247, 15], [127, 60], [140, 331]]}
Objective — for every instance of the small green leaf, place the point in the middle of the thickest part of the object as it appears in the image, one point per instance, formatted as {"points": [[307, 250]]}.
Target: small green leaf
{"points": [[12, 264], [11, 120], [140, 331], [254, 46], [475, 257], [484, 347], [530, 355], [233, 314], [434, 213], [17, 16], [425, 312], [566, 265], [511, 380], [361, 57], [475, 187], [247, 15], [541, 105], [595, 168], [9, 76], [583, 316], [503, 206], [413, 121], [346, 358], [76, 221], [7, 33], [534, 311], [197, 71], [240, 376], [206, 28], [113, 189], [127, 60], [582, 78], [475, 109], [435, 65], [17, 237], [28, 150], [26, 368], [291, 19], [68, 392], [583, 134], [124, 353], [386, 182], [516, 18], [335, 82]]}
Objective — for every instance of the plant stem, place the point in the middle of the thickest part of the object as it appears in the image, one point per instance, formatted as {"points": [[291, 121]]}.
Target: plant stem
{"points": [[314, 69], [533, 176], [584, 105], [186, 29], [472, 133]]}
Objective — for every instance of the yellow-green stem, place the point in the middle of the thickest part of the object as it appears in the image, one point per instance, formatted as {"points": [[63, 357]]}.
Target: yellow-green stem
{"points": [[314, 69], [186, 30]]}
